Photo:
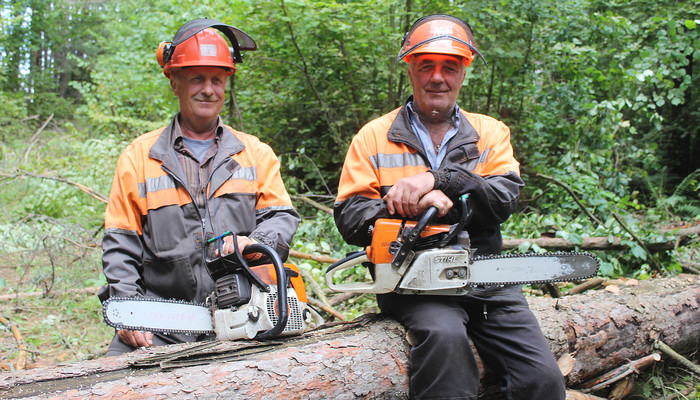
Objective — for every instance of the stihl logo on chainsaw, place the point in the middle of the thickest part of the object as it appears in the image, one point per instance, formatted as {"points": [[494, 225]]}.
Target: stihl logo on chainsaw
{"points": [[445, 260]]}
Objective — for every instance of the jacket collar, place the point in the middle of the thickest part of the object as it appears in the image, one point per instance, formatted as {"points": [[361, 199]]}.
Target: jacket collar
{"points": [[229, 144], [400, 131]]}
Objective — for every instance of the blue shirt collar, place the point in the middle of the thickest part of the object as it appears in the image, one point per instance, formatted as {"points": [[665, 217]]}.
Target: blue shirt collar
{"points": [[425, 139]]}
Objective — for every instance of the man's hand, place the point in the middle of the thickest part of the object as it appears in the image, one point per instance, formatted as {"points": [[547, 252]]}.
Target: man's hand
{"points": [[411, 196], [135, 338], [437, 199], [242, 241], [405, 195]]}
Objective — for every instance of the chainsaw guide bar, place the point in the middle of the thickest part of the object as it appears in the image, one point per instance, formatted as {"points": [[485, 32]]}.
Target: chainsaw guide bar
{"points": [[561, 266], [171, 316]]}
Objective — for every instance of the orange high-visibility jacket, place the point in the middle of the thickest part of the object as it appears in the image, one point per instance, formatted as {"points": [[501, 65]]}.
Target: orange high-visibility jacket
{"points": [[479, 161], [154, 232]]}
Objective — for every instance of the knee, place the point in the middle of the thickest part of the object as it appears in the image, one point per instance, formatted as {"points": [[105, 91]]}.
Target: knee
{"points": [[437, 336]]}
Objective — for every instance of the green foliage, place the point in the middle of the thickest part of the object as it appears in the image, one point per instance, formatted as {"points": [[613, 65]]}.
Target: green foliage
{"points": [[63, 327], [41, 53], [12, 112], [685, 200], [317, 235], [72, 157], [666, 381], [331, 72]]}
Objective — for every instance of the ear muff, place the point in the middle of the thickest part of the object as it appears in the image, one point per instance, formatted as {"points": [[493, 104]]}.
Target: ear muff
{"points": [[164, 53], [233, 53]]}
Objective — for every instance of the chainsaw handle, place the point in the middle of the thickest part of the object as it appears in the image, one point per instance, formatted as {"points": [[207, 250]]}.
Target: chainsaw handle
{"points": [[222, 265], [464, 218], [281, 288], [344, 261], [385, 277]]}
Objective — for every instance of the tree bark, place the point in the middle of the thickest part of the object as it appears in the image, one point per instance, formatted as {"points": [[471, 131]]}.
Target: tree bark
{"points": [[368, 358]]}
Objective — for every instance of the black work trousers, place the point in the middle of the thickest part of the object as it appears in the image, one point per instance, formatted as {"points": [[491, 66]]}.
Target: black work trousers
{"points": [[505, 333]]}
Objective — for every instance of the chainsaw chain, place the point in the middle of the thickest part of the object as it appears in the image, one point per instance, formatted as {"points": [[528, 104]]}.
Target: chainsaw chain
{"points": [[516, 255], [154, 300]]}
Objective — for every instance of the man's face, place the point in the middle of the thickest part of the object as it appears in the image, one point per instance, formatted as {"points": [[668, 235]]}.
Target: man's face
{"points": [[201, 91], [436, 80]]}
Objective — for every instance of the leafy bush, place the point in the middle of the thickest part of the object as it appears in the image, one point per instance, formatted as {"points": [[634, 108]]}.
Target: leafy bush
{"points": [[13, 111]]}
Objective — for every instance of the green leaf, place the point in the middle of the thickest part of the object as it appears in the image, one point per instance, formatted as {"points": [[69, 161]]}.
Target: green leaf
{"points": [[576, 239], [524, 247], [606, 269], [638, 252]]}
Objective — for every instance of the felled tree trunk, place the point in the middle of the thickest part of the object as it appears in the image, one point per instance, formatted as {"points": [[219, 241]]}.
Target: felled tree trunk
{"points": [[605, 329], [368, 358]]}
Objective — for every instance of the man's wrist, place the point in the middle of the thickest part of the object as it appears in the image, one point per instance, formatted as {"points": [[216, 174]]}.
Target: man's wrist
{"points": [[435, 176], [442, 177]]}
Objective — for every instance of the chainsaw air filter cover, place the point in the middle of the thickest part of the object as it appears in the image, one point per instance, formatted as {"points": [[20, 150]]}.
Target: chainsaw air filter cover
{"points": [[232, 290]]}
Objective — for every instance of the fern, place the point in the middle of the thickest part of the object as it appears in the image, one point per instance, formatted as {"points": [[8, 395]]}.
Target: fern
{"points": [[685, 200], [690, 186]]}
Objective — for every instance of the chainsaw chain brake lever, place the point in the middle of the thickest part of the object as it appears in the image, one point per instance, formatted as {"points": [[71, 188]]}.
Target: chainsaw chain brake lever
{"points": [[408, 237], [411, 235]]}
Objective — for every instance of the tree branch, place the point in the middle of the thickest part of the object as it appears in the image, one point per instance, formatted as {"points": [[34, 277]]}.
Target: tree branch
{"points": [[35, 137], [673, 354], [306, 256], [573, 195], [22, 355], [654, 261], [310, 202], [93, 193]]}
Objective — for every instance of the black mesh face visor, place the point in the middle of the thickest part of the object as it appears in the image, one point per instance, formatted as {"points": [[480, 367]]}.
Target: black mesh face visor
{"points": [[239, 39]]}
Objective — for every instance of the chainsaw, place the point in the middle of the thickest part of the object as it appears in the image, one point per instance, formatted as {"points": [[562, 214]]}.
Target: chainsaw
{"points": [[416, 257], [257, 302]]}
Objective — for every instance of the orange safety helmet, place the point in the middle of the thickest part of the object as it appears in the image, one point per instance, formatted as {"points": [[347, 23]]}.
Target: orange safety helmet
{"points": [[196, 44], [440, 34]]}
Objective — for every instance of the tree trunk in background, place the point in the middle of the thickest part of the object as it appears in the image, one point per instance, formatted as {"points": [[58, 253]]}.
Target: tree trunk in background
{"points": [[368, 358]]}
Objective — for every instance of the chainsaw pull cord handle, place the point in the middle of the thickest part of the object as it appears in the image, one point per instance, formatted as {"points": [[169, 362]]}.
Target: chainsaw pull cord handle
{"points": [[463, 219], [281, 287], [411, 236]]}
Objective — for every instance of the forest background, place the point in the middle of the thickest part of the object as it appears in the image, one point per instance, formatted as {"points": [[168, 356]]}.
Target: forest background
{"points": [[601, 97]]}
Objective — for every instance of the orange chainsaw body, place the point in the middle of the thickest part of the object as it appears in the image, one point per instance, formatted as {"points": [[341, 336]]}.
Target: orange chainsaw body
{"points": [[266, 273], [386, 231]]}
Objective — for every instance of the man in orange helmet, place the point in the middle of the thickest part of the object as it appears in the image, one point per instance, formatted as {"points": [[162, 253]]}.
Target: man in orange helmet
{"points": [[196, 178], [428, 153]]}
